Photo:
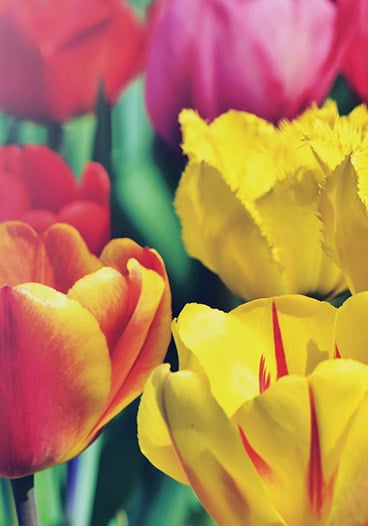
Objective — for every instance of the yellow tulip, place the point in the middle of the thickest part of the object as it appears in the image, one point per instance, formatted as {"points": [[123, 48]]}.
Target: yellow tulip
{"points": [[262, 419], [249, 199]]}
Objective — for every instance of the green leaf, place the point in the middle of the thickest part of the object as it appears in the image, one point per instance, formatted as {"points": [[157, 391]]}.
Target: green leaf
{"points": [[49, 486], [140, 187]]}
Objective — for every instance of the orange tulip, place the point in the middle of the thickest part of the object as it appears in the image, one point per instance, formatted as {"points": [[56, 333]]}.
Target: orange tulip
{"points": [[78, 337]]}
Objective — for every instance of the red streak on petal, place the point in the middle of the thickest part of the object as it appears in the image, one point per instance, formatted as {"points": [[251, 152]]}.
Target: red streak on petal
{"points": [[264, 377], [282, 369], [261, 466], [338, 355], [316, 483]]}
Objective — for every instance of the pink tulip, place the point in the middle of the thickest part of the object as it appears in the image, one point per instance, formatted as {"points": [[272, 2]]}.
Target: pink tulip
{"points": [[268, 57], [356, 61]]}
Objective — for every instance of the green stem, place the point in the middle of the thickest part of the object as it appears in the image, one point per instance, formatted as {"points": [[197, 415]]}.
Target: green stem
{"points": [[55, 136], [23, 492]]}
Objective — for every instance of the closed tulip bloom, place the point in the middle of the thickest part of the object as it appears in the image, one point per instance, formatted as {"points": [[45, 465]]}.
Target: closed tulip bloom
{"points": [[273, 432], [248, 204], [38, 187], [78, 338], [55, 56], [272, 58]]}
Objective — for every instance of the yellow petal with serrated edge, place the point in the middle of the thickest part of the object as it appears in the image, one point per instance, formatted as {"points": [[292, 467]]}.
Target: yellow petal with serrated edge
{"points": [[224, 235]]}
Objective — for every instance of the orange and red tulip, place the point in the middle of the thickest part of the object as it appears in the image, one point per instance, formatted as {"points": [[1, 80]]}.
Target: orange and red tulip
{"points": [[78, 337]]}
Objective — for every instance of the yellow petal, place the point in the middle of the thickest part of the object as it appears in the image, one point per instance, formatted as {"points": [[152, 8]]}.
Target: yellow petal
{"points": [[212, 455], [204, 337], [224, 235], [344, 209], [301, 428], [222, 143], [277, 427], [153, 434], [351, 328], [298, 246], [105, 293], [340, 390]]}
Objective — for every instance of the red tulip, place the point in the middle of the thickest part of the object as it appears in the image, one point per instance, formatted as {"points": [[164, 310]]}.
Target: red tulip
{"points": [[356, 62], [78, 337], [55, 55], [38, 187], [268, 57]]}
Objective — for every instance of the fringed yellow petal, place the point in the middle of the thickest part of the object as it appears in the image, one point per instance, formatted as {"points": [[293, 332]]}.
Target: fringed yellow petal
{"points": [[224, 235], [344, 210]]}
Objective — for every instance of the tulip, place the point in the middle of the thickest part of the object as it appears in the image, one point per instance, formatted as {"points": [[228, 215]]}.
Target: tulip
{"points": [[355, 66], [38, 187], [273, 432], [248, 203], [78, 337], [271, 58], [56, 56]]}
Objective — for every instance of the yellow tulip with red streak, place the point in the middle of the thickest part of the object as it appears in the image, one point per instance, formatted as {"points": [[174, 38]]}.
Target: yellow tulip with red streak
{"points": [[266, 416]]}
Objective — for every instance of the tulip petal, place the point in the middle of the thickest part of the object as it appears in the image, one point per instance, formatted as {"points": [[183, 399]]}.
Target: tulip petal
{"points": [[277, 427], [296, 197], [212, 456], [344, 436], [57, 258], [350, 331], [95, 184], [143, 342], [218, 239], [145, 334], [302, 438], [204, 336], [221, 143], [22, 256], [351, 221], [105, 293], [153, 433], [68, 254], [55, 381], [49, 180], [91, 220]]}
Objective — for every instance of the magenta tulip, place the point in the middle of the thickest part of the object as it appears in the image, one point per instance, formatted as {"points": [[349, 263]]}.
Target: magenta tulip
{"points": [[268, 57]]}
